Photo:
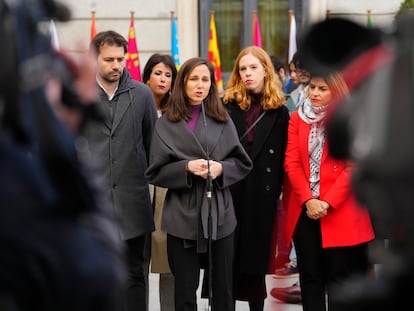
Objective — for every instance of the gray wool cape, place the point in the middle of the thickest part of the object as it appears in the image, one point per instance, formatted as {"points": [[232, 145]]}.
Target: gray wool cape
{"points": [[186, 205]]}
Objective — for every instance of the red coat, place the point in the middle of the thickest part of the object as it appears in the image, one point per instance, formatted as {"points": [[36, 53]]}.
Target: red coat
{"points": [[347, 222]]}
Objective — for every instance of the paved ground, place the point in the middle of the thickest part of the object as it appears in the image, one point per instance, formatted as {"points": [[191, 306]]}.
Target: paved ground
{"points": [[271, 304]]}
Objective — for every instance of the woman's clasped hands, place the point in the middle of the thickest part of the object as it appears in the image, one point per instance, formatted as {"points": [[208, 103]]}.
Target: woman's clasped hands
{"points": [[199, 167], [316, 208]]}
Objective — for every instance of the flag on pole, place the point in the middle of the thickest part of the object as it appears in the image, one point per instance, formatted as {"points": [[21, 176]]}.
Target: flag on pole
{"points": [[292, 36], [93, 26], [213, 51], [132, 59], [257, 38], [54, 40], [175, 52], [369, 23]]}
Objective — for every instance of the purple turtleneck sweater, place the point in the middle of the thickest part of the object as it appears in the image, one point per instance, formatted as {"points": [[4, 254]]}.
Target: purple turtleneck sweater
{"points": [[195, 115]]}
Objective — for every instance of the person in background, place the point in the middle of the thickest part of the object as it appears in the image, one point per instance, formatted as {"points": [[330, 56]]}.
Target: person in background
{"points": [[195, 152], [286, 259], [280, 70], [256, 103], [293, 80], [121, 143], [330, 229], [159, 74], [298, 95]]}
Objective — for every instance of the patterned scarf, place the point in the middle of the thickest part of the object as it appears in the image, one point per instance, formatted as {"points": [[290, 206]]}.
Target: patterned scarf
{"points": [[315, 117]]}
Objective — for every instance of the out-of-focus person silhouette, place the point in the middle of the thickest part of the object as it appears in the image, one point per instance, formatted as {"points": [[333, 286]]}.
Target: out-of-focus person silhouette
{"points": [[373, 127], [60, 245]]}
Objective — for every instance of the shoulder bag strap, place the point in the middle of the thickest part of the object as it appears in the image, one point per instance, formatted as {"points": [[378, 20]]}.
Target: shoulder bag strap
{"points": [[251, 126]]}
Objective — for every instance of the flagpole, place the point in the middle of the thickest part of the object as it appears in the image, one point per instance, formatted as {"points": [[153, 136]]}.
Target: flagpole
{"points": [[254, 13], [369, 23], [290, 13]]}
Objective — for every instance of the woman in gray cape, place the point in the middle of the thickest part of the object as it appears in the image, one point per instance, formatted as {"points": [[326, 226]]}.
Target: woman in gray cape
{"points": [[195, 142]]}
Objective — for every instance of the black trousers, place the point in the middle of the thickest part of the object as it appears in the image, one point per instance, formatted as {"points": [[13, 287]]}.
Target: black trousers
{"points": [[324, 270], [185, 265], [136, 297]]}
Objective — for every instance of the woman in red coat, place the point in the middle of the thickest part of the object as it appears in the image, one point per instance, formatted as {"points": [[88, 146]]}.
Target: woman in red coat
{"points": [[330, 229]]}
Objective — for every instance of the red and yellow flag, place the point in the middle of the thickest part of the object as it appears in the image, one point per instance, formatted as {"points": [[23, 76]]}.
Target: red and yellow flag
{"points": [[213, 51], [93, 26], [132, 59]]}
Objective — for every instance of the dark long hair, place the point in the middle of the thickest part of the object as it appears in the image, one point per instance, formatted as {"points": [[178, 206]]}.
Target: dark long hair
{"points": [[178, 106], [168, 61]]}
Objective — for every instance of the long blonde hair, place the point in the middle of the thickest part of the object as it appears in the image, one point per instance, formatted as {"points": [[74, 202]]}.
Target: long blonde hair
{"points": [[273, 96]]}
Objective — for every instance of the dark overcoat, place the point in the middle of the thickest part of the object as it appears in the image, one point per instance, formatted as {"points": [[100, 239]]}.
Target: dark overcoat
{"points": [[256, 196], [121, 145], [186, 206]]}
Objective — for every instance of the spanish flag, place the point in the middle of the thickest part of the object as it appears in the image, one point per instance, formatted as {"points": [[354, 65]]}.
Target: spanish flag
{"points": [[132, 60], [213, 51]]}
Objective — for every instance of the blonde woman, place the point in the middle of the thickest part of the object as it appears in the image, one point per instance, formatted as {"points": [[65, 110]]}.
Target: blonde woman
{"points": [[256, 103]]}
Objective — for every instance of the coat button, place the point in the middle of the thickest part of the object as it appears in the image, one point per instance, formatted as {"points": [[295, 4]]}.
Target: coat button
{"points": [[267, 188], [268, 170], [114, 186], [335, 168], [271, 151]]}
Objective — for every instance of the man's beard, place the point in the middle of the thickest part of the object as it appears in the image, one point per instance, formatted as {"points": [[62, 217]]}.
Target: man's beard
{"points": [[110, 78]]}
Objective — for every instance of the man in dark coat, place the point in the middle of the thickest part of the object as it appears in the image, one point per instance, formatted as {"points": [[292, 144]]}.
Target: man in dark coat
{"points": [[121, 143]]}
